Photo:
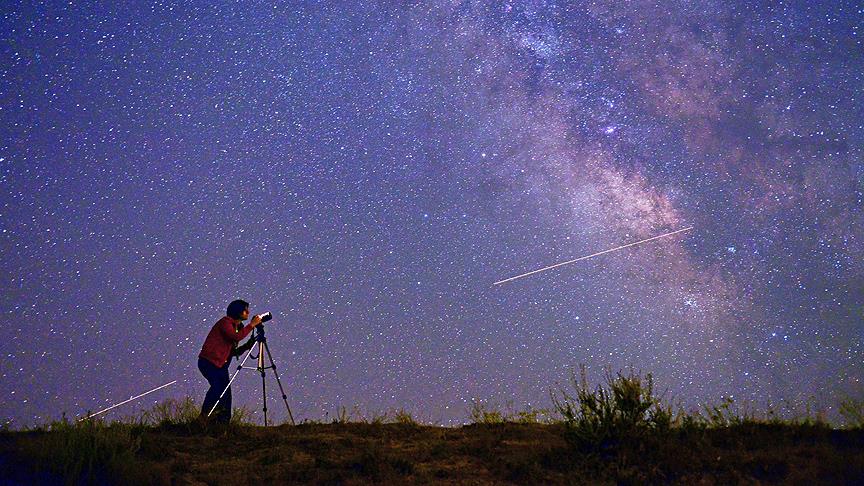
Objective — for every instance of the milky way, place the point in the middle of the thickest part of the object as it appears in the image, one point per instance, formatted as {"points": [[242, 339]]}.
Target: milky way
{"points": [[366, 171]]}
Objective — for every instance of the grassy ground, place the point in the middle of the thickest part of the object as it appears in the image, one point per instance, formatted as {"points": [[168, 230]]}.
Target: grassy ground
{"points": [[358, 453], [617, 433]]}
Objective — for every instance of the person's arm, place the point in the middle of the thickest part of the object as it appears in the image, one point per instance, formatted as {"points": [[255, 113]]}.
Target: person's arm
{"points": [[245, 347], [227, 329]]}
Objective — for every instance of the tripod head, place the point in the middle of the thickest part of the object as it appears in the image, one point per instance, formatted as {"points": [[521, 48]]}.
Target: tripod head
{"points": [[259, 336]]}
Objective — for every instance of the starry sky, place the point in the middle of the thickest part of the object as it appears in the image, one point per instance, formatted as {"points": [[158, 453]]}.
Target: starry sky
{"points": [[367, 170]]}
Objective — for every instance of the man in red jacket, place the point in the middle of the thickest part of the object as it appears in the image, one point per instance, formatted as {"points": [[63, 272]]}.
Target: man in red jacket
{"points": [[215, 356]]}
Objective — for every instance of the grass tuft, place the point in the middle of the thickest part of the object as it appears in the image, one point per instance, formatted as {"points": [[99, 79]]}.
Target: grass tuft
{"points": [[172, 412], [87, 451], [484, 413], [625, 407], [852, 411]]}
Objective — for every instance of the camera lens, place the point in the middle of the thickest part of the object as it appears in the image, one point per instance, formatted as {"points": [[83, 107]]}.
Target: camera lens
{"points": [[266, 317]]}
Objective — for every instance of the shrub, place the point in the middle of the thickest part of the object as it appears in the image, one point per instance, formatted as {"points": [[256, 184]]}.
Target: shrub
{"points": [[480, 414], [340, 417], [173, 412], [624, 407], [241, 416], [724, 414], [484, 414], [532, 416], [402, 417], [852, 411]]}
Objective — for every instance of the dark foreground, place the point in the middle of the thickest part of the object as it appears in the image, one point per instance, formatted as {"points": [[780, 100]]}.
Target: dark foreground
{"points": [[358, 453]]}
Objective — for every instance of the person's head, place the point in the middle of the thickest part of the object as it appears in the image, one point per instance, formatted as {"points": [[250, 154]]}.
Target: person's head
{"points": [[238, 310]]}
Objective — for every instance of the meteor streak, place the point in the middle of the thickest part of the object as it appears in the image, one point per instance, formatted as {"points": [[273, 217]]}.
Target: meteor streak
{"points": [[127, 401], [590, 256]]}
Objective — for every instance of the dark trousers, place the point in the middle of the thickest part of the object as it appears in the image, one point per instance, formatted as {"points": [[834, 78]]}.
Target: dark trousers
{"points": [[218, 379]]}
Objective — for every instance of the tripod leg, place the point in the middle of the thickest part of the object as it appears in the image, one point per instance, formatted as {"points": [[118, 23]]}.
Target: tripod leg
{"points": [[279, 382], [229, 383], [261, 368]]}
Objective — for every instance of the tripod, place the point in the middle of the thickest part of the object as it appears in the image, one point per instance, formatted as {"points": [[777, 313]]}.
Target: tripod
{"points": [[261, 342]]}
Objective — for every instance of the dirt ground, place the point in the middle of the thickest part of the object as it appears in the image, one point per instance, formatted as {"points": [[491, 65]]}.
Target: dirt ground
{"points": [[406, 453]]}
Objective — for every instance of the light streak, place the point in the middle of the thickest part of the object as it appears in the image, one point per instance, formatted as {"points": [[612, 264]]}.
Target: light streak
{"points": [[91, 415], [550, 267]]}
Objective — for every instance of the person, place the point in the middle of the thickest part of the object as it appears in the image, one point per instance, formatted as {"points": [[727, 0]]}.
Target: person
{"points": [[215, 357]]}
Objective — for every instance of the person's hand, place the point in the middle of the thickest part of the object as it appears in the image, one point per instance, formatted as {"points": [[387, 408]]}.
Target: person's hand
{"points": [[255, 321]]}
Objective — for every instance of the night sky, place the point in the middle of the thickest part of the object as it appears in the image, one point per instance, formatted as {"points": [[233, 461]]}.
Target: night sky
{"points": [[367, 170]]}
